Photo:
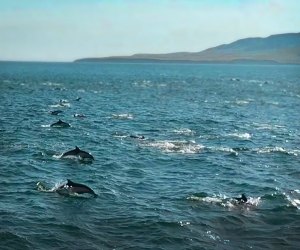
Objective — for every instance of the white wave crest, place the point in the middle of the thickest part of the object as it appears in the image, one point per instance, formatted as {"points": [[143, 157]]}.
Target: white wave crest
{"points": [[265, 126], [295, 203], [293, 198]]}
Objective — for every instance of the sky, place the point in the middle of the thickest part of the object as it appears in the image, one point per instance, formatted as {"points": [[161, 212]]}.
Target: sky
{"points": [[65, 30]]}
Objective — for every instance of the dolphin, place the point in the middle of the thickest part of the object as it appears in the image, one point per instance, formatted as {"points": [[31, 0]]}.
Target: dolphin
{"points": [[79, 115], [71, 187], [242, 199], [77, 152], [140, 137], [60, 124], [55, 112], [68, 188]]}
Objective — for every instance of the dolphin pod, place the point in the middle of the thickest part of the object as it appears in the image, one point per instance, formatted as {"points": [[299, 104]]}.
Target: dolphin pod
{"points": [[77, 152], [69, 187]]}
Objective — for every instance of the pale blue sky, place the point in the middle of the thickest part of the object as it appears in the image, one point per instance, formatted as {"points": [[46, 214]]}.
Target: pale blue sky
{"points": [[64, 30]]}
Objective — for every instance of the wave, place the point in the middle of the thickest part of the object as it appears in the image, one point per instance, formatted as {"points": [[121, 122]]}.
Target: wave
{"points": [[10, 240], [293, 198], [284, 199], [266, 126]]}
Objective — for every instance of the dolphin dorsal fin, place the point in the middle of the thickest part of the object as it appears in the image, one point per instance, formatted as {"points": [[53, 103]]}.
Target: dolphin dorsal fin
{"points": [[77, 148], [244, 198], [69, 182]]}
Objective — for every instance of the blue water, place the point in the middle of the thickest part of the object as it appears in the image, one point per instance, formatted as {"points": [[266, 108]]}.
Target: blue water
{"points": [[211, 133]]}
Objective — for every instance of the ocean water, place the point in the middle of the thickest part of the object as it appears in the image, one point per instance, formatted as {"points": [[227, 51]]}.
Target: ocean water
{"points": [[173, 145]]}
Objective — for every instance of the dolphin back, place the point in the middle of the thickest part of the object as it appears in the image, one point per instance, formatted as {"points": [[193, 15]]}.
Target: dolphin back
{"points": [[60, 123], [72, 152], [80, 188]]}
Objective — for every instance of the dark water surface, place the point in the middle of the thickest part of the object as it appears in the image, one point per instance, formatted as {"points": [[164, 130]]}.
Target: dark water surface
{"points": [[210, 133]]}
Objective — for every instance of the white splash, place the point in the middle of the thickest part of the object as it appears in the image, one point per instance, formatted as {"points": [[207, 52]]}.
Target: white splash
{"points": [[276, 149], [213, 236], [242, 136], [223, 149], [183, 147], [242, 102], [224, 201], [253, 201], [57, 156], [62, 103], [122, 116], [213, 199], [184, 131], [293, 198], [51, 84], [184, 223]]}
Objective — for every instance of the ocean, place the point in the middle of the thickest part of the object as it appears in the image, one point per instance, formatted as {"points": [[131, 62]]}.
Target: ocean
{"points": [[174, 145]]}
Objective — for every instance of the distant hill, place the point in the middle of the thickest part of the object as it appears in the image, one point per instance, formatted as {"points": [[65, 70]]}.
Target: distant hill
{"points": [[281, 48]]}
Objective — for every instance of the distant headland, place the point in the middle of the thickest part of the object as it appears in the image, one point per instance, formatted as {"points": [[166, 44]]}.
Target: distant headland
{"points": [[274, 49]]}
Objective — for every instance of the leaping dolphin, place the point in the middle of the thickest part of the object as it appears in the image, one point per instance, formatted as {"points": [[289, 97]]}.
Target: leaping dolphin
{"points": [[71, 187], [77, 152], [60, 124]]}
